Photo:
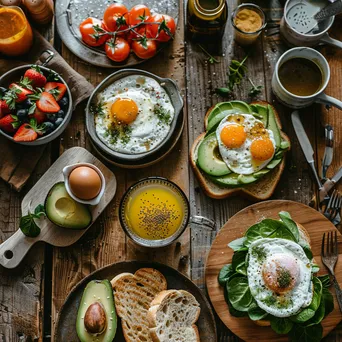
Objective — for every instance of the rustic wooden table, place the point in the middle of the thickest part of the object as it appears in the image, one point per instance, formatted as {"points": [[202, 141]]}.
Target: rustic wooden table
{"points": [[32, 294]]}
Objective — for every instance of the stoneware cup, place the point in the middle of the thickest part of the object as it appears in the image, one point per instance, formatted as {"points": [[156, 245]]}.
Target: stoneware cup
{"points": [[295, 101], [295, 38]]}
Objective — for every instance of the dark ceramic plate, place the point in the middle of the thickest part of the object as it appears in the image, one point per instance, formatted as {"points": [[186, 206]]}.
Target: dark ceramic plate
{"points": [[167, 84], [66, 322], [70, 13]]}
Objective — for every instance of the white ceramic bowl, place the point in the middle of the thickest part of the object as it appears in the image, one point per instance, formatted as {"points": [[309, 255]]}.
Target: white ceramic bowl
{"points": [[66, 173]]}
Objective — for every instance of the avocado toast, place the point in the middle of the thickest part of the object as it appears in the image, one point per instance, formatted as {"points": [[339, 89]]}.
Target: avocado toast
{"points": [[216, 179]]}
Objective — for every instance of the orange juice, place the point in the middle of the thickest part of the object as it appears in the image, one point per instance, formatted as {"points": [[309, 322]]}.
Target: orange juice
{"points": [[15, 33]]}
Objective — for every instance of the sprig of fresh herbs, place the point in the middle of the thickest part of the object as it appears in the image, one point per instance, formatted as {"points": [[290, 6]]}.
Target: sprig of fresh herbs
{"points": [[27, 223], [255, 90], [211, 59]]}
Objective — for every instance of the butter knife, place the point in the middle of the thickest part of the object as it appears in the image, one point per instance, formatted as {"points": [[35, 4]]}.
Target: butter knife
{"points": [[329, 10], [329, 151], [305, 144], [329, 184]]}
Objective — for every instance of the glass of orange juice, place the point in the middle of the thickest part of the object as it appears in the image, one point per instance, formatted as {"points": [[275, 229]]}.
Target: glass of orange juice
{"points": [[16, 33]]}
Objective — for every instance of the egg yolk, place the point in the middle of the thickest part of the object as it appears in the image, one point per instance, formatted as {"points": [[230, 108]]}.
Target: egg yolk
{"points": [[124, 110], [280, 273], [262, 149], [233, 136]]}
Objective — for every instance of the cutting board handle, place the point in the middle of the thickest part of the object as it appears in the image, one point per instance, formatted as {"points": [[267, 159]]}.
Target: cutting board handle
{"points": [[14, 249]]}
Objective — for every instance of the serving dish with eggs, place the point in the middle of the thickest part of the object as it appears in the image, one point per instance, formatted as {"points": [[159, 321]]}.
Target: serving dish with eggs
{"points": [[242, 151], [133, 114], [265, 277]]}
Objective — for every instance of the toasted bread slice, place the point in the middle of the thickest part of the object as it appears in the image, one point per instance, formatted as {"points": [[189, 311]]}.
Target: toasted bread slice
{"points": [[133, 294], [257, 191], [172, 317]]}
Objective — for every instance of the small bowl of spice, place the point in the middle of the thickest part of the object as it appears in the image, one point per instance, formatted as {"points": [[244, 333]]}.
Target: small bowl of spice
{"points": [[248, 20], [154, 212]]}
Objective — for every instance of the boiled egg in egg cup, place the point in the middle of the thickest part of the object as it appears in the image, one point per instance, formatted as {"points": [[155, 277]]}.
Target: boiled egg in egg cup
{"points": [[84, 182]]}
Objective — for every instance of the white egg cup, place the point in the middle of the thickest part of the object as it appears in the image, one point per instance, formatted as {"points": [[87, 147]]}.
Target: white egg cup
{"points": [[66, 173]]}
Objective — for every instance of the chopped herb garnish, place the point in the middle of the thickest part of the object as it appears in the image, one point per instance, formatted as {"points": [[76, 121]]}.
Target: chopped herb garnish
{"points": [[284, 278], [163, 115]]}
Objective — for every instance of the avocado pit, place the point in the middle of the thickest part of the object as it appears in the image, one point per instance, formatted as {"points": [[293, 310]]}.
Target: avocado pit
{"points": [[95, 320]]}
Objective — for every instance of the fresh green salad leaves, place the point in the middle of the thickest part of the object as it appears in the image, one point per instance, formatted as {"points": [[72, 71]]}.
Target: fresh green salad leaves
{"points": [[27, 223], [304, 326]]}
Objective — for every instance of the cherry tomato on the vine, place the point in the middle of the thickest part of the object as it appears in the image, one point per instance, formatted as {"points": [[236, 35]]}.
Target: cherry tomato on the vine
{"points": [[93, 32], [117, 49], [144, 48], [165, 28], [138, 14], [116, 17], [138, 33]]}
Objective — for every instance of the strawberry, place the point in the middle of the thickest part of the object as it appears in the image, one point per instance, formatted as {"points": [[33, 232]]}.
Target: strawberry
{"points": [[47, 103], [26, 133], [9, 123], [56, 89], [36, 77], [39, 116], [17, 93], [4, 108]]}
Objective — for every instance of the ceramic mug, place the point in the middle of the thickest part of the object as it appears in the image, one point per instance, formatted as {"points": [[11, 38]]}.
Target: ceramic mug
{"points": [[296, 101], [295, 38]]}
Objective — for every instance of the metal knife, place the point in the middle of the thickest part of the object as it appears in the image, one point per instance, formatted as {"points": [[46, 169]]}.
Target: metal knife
{"points": [[329, 184], [305, 144], [329, 10], [329, 151]]}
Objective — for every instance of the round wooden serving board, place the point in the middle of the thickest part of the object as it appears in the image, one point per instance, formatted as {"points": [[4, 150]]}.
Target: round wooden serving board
{"points": [[220, 254]]}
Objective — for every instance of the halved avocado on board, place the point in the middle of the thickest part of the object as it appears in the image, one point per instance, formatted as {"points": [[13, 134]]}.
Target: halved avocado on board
{"points": [[65, 212], [209, 159], [96, 318]]}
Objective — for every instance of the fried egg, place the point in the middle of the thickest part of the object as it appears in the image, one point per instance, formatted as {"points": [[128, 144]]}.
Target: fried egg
{"points": [[136, 114], [279, 276], [245, 145]]}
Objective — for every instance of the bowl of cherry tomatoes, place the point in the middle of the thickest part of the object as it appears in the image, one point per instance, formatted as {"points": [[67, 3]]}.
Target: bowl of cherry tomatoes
{"points": [[35, 105]]}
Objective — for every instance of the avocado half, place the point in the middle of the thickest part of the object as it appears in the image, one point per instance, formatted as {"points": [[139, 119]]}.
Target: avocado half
{"points": [[64, 211], [96, 317]]}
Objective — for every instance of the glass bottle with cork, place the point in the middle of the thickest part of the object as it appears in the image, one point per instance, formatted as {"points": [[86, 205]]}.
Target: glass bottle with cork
{"points": [[206, 19]]}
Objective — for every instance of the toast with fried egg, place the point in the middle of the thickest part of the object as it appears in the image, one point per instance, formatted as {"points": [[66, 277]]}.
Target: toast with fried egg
{"points": [[260, 189]]}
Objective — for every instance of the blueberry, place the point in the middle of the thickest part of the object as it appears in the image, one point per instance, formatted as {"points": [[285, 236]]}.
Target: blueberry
{"points": [[19, 106], [60, 114], [49, 127], [64, 102], [27, 103], [2, 90], [52, 117], [58, 122], [22, 114]]}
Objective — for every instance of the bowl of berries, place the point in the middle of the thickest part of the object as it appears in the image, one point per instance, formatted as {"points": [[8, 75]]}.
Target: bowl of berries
{"points": [[35, 105]]}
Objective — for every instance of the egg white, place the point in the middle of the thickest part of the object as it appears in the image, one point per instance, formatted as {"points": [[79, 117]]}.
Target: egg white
{"points": [[240, 160], [147, 131], [290, 303]]}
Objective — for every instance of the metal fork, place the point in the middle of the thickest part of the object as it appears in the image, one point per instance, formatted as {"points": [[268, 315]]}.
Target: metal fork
{"points": [[331, 207], [329, 254]]}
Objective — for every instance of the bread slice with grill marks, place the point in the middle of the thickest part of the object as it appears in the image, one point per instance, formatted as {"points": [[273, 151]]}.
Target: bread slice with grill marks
{"points": [[133, 294]]}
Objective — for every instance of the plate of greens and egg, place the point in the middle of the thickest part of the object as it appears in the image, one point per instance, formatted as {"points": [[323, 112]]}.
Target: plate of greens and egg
{"points": [[265, 277]]}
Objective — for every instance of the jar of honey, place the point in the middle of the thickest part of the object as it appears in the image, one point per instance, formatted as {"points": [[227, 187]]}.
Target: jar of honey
{"points": [[206, 19], [16, 33]]}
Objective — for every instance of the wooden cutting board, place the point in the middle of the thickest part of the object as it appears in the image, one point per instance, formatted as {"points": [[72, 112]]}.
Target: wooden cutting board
{"points": [[220, 254], [13, 250]]}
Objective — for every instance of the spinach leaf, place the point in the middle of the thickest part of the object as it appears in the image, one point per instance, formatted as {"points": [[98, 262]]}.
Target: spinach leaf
{"points": [[225, 273], [301, 333], [239, 262], [268, 228], [319, 315], [27, 222], [290, 224], [307, 252], [315, 269], [255, 313], [325, 280], [239, 293], [281, 325], [328, 299], [232, 311], [237, 244]]}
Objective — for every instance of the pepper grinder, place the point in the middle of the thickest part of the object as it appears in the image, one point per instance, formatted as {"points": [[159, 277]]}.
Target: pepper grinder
{"points": [[41, 11]]}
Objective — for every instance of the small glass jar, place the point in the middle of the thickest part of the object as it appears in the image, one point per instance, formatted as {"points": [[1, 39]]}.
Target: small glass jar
{"points": [[206, 19], [16, 33], [248, 36]]}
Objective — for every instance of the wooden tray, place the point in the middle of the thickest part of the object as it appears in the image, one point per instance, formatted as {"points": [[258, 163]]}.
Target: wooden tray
{"points": [[66, 322], [220, 254], [13, 250]]}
